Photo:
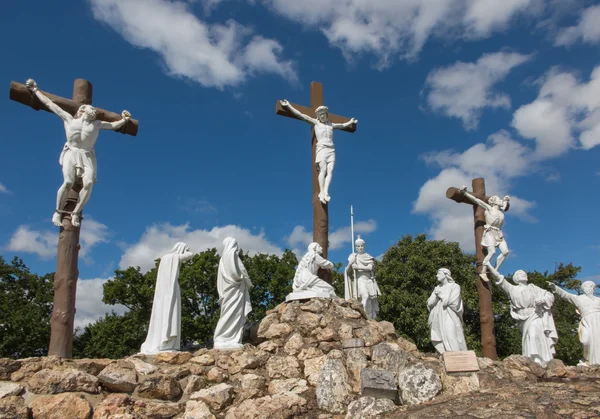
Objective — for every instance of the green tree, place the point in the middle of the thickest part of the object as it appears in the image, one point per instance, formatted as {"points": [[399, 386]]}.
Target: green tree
{"points": [[25, 309], [407, 276]]}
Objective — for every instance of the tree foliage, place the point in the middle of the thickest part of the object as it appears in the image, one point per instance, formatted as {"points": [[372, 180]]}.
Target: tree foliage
{"points": [[25, 309]]}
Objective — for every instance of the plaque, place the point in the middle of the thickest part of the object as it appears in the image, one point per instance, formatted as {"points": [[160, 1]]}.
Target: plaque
{"points": [[463, 361]]}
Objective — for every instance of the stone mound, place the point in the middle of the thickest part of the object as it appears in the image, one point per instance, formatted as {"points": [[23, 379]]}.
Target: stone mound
{"points": [[306, 359]]}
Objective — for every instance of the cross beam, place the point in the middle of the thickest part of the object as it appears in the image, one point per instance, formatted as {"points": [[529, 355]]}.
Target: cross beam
{"points": [[67, 271], [320, 210], [484, 289]]}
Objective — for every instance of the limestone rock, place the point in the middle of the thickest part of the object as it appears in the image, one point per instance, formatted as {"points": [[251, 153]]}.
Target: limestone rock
{"points": [[289, 385], [49, 381], [217, 397], [389, 356], [66, 405], [459, 383], [119, 377], [173, 358], [269, 346], [289, 312], [294, 344], [115, 406], [369, 408], [283, 367], [332, 387], [266, 323], [356, 360], [522, 367], [326, 334], [345, 331], [176, 371], [204, 359], [386, 329], [13, 407], [216, 375], [141, 367], [370, 334], [406, 345], [196, 409], [315, 305], [312, 368], [92, 366], [242, 360], [418, 384], [252, 382], [7, 367], [10, 389], [161, 388], [156, 410], [278, 330], [29, 366], [278, 406], [348, 313], [194, 384], [555, 368], [307, 322]]}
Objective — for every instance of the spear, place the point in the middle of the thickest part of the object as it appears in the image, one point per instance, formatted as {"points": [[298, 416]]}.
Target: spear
{"points": [[353, 283]]}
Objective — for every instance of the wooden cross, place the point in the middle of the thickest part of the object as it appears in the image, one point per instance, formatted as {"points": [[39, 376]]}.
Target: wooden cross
{"points": [[484, 289], [67, 271], [320, 210]]}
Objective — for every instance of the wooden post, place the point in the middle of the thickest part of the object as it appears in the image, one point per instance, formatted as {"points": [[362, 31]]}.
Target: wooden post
{"points": [[67, 270], [484, 289], [320, 210]]}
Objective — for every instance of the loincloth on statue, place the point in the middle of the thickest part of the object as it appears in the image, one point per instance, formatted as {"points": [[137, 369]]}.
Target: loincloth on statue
{"points": [[492, 236], [325, 153], [84, 161]]}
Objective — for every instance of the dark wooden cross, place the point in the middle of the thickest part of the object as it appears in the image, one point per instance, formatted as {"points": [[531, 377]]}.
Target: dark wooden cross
{"points": [[67, 271], [484, 289], [320, 210]]}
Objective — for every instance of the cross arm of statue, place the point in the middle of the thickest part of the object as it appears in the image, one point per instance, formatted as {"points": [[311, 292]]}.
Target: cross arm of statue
{"points": [[291, 110], [67, 108]]}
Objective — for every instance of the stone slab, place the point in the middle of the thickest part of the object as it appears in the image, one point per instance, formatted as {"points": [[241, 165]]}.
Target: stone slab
{"points": [[378, 383], [353, 343], [463, 361], [306, 295]]}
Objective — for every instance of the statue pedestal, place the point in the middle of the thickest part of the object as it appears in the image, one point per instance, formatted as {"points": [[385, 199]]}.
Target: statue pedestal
{"points": [[306, 295]]}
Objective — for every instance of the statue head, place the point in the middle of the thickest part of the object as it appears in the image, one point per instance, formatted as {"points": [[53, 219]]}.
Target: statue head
{"points": [[520, 277], [87, 112], [315, 248], [230, 244], [444, 274], [180, 248], [588, 288], [360, 245], [495, 200], [322, 113]]}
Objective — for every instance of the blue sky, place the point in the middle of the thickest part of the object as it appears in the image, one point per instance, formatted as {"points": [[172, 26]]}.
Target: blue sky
{"points": [[443, 93]]}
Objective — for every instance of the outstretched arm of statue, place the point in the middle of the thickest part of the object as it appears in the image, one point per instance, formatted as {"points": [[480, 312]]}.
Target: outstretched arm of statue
{"points": [[296, 112], [345, 124], [500, 280], [562, 293], [473, 199], [117, 124], [32, 86]]}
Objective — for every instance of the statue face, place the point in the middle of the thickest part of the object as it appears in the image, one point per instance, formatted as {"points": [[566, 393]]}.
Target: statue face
{"points": [[360, 248], [495, 200], [322, 116], [588, 288], [440, 275], [520, 277], [87, 112]]}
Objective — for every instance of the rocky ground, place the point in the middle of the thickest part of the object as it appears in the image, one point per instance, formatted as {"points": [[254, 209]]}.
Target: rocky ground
{"points": [[306, 360]]}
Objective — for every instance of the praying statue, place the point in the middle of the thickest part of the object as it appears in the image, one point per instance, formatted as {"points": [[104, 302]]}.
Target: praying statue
{"points": [[306, 283], [446, 314], [588, 307], [531, 307], [233, 284], [325, 156], [78, 158], [164, 331], [359, 279], [492, 234]]}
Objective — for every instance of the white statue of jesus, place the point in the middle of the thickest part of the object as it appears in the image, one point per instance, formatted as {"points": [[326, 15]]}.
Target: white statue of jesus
{"points": [[325, 156], [78, 158], [492, 233]]}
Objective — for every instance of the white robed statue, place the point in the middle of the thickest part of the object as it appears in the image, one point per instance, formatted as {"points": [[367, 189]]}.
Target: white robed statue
{"points": [[164, 332], [531, 307], [446, 314], [307, 283], [588, 307], [364, 287], [233, 284]]}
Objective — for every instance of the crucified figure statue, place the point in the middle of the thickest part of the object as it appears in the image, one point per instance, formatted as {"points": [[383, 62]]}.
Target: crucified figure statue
{"points": [[492, 234], [77, 158], [325, 158]]}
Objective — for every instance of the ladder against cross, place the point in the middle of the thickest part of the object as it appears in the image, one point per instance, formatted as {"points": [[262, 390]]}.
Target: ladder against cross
{"points": [[320, 210], [67, 271], [484, 289]]}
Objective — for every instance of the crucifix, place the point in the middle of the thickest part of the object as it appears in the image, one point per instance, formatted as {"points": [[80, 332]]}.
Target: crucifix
{"points": [[488, 214], [82, 123], [323, 156]]}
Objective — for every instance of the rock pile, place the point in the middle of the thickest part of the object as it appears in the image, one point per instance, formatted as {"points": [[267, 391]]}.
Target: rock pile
{"points": [[319, 359]]}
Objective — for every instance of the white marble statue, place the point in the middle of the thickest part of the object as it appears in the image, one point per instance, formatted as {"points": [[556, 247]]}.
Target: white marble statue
{"points": [[233, 284], [359, 279], [164, 331], [306, 282], [325, 156], [492, 234], [78, 159], [531, 307], [588, 307], [446, 314]]}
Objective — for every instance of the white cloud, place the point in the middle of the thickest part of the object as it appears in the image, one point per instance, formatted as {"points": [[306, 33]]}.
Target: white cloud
{"points": [[89, 303], [498, 161], [564, 109], [44, 242], [3, 189], [214, 55], [462, 90], [587, 29], [299, 239], [390, 28], [159, 239]]}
